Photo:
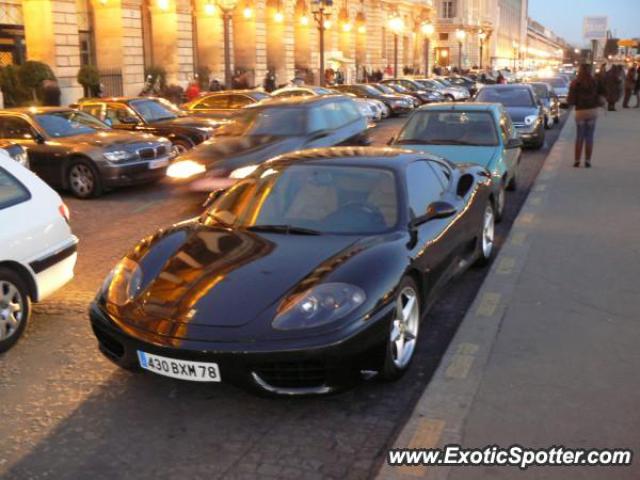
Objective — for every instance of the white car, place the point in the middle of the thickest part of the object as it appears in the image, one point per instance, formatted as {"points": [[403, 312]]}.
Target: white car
{"points": [[38, 252]]}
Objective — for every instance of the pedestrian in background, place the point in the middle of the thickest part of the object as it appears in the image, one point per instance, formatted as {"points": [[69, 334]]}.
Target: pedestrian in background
{"points": [[501, 80], [584, 95], [629, 85], [636, 90], [51, 93], [269, 83], [612, 87], [193, 90]]}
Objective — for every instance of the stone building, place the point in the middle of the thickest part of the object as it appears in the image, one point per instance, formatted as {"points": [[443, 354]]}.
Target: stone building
{"points": [[124, 37]]}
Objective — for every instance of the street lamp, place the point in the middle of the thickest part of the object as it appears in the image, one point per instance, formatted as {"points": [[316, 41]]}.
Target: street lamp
{"points": [[396, 25], [427, 30], [460, 36], [321, 16], [227, 7], [482, 36]]}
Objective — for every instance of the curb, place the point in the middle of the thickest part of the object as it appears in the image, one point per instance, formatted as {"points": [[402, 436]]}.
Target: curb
{"points": [[439, 416]]}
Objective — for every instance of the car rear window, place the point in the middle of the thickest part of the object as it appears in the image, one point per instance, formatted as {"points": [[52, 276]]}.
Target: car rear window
{"points": [[12, 191]]}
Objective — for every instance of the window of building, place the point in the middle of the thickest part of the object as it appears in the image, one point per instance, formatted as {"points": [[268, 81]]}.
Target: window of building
{"points": [[448, 9], [444, 37], [86, 49]]}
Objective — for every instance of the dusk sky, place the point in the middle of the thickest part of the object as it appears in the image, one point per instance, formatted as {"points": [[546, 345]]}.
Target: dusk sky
{"points": [[565, 17]]}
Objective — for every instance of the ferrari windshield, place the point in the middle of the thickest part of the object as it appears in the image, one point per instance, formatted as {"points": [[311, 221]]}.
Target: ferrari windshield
{"points": [[311, 199], [450, 128]]}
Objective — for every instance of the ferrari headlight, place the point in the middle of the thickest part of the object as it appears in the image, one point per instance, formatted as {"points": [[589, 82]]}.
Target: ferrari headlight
{"points": [[530, 120], [123, 283], [243, 172], [185, 169], [118, 155], [320, 305]]}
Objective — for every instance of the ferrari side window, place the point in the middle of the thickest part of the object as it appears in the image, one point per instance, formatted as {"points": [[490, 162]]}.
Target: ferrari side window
{"points": [[423, 187]]}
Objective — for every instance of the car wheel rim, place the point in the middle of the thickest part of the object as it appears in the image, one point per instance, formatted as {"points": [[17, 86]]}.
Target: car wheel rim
{"points": [[81, 179], [404, 330], [488, 230], [11, 309], [179, 149]]}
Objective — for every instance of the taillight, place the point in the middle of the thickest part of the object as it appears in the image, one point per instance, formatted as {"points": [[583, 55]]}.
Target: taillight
{"points": [[64, 211]]}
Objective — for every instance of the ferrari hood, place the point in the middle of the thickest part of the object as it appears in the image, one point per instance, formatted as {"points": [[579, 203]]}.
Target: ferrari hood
{"points": [[197, 276]]}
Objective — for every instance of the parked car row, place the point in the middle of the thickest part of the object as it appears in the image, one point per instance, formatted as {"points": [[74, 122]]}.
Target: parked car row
{"points": [[313, 251]]}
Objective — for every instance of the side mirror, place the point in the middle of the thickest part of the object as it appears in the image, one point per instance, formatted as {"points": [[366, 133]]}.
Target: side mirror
{"points": [[435, 210], [514, 143], [213, 196], [38, 138], [129, 120], [318, 135]]}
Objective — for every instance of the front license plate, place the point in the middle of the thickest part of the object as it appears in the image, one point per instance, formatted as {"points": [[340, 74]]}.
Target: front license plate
{"points": [[181, 369], [162, 162]]}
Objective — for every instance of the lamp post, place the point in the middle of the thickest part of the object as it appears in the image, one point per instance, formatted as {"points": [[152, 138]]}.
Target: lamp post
{"points": [[514, 44], [460, 36], [427, 31], [321, 15], [482, 36], [396, 25], [227, 7]]}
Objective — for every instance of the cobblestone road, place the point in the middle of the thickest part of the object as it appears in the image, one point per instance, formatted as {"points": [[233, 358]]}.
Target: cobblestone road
{"points": [[67, 413]]}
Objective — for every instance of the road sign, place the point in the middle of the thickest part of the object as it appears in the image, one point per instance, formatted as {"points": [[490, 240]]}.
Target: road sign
{"points": [[595, 28], [628, 43]]}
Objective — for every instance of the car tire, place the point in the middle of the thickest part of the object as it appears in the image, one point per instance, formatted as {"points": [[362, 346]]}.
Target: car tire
{"points": [[486, 238], [402, 336], [83, 179], [499, 203], [450, 98], [15, 307], [180, 147], [557, 119], [540, 143], [512, 186]]}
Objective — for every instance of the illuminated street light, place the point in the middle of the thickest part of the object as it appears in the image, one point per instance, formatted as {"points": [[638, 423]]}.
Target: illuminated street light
{"points": [[427, 30], [396, 25], [227, 7], [163, 4], [209, 8], [278, 17], [346, 27], [321, 16], [482, 36], [460, 36], [247, 12]]}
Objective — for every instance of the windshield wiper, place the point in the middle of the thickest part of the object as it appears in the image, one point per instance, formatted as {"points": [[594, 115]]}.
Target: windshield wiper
{"points": [[288, 229]]}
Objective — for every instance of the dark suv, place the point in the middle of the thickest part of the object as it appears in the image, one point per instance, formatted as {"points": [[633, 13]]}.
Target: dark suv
{"points": [[266, 130], [152, 115], [72, 150]]}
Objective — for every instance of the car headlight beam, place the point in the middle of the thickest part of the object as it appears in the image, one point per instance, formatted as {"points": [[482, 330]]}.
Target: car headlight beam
{"points": [[185, 169], [118, 155], [530, 120]]}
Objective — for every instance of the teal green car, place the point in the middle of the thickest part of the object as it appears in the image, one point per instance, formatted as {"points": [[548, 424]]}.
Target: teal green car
{"points": [[480, 133]]}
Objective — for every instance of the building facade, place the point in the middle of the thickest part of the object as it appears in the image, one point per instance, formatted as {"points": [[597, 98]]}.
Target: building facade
{"points": [[124, 38]]}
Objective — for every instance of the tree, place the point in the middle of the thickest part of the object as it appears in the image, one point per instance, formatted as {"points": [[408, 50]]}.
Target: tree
{"points": [[31, 75]]}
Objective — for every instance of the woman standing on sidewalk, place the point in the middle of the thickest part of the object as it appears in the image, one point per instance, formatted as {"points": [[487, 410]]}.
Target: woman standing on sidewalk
{"points": [[584, 94]]}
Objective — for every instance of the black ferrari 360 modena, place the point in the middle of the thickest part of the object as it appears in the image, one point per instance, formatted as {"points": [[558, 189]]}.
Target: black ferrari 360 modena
{"points": [[316, 267]]}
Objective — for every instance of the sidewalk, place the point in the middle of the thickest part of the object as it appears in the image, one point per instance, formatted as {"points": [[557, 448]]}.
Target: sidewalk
{"points": [[549, 354]]}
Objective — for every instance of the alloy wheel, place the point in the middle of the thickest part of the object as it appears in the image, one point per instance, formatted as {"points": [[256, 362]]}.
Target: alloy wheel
{"points": [[11, 309], [82, 180], [178, 149], [404, 330], [488, 232]]}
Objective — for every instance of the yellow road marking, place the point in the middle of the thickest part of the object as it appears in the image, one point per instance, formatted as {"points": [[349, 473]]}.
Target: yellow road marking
{"points": [[427, 435], [505, 267], [462, 361], [527, 218], [540, 187], [535, 200], [518, 238], [488, 304]]}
